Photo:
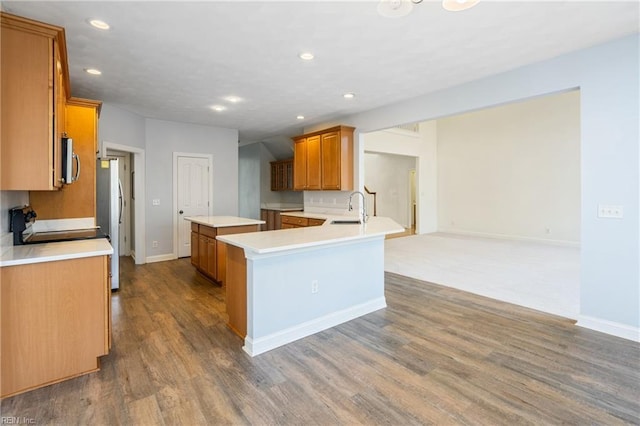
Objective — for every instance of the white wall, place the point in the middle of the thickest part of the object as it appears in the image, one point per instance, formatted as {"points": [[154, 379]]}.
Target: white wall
{"points": [[607, 76], [162, 139], [119, 126], [249, 181], [388, 176], [512, 170]]}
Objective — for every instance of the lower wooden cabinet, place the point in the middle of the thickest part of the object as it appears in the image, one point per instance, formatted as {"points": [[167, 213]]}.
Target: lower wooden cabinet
{"points": [[56, 321], [288, 222], [208, 255]]}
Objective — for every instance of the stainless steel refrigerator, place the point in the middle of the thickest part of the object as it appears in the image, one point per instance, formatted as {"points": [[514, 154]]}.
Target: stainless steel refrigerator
{"points": [[109, 210]]}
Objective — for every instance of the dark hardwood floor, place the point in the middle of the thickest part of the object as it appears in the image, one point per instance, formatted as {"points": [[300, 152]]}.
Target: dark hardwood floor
{"points": [[435, 355]]}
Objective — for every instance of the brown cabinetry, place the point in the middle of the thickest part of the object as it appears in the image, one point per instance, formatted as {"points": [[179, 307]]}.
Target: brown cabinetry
{"points": [[34, 87], [78, 199], [288, 222], [208, 254], [323, 160], [282, 175], [55, 321]]}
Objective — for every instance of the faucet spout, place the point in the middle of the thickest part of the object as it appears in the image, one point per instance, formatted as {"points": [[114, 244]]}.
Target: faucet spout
{"points": [[364, 205]]}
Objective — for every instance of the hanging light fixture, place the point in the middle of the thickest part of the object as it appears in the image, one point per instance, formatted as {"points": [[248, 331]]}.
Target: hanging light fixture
{"points": [[458, 5], [395, 8]]}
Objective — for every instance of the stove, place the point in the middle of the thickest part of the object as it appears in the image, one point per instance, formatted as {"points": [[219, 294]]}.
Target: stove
{"points": [[21, 221]]}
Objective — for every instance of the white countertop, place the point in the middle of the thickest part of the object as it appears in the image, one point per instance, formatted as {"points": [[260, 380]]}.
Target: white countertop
{"points": [[223, 221], [49, 252], [290, 239]]}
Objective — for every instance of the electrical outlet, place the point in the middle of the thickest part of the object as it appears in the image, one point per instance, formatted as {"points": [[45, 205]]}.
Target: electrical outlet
{"points": [[154, 244], [156, 202], [610, 211], [314, 286]]}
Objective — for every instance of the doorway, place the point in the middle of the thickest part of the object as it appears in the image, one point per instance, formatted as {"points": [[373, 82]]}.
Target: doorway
{"points": [[192, 192], [136, 197]]}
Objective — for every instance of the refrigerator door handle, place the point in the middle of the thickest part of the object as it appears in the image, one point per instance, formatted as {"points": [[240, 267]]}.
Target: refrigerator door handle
{"points": [[121, 197]]}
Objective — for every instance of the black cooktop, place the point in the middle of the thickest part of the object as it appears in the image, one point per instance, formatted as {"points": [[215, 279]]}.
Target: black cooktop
{"points": [[70, 235]]}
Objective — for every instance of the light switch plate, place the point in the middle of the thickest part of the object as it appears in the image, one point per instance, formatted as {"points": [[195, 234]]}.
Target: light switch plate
{"points": [[156, 201], [610, 211]]}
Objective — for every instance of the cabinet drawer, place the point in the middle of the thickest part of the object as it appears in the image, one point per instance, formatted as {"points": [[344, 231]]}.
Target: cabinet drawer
{"points": [[194, 227], [288, 226], [315, 222], [294, 220], [207, 231]]}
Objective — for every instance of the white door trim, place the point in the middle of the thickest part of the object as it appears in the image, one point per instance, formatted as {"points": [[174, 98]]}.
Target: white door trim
{"points": [[209, 158], [139, 253]]}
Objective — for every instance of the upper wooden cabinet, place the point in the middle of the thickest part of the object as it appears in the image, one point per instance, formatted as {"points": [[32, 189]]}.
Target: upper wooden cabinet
{"points": [[323, 160], [282, 175], [78, 199], [34, 87]]}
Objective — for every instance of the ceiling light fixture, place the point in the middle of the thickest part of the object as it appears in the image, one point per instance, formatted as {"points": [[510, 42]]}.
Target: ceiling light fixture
{"points": [[349, 95], [306, 56], [395, 8], [233, 99], [458, 5], [92, 71], [218, 108], [300, 117], [101, 25]]}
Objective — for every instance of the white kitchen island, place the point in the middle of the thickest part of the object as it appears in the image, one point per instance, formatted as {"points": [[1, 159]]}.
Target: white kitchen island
{"points": [[288, 284]]}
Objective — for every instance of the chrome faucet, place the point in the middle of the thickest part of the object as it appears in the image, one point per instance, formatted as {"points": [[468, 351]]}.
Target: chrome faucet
{"points": [[364, 205]]}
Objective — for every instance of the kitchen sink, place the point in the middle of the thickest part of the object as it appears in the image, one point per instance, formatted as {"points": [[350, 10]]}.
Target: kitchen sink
{"points": [[346, 222]]}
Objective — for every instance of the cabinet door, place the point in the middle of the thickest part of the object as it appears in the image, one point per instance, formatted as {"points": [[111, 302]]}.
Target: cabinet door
{"points": [[211, 258], [195, 257], [331, 160], [27, 110], [314, 162], [300, 164], [202, 252]]}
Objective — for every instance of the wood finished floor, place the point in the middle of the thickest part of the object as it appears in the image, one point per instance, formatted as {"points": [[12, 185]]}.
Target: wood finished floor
{"points": [[435, 355]]}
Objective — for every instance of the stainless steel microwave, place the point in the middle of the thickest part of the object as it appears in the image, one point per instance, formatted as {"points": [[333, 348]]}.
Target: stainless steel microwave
{"points": [[68, 158]]}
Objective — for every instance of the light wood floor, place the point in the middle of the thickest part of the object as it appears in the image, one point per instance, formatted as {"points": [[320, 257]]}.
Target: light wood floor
{"points": [[435, 355]]}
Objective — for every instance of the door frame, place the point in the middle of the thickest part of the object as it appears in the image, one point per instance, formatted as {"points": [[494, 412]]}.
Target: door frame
{"points": [[209, 158], [139, 251]]}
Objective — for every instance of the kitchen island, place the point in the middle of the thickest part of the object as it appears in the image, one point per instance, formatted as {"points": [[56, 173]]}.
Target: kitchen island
{"points": [[288, 284], [207, 254]]}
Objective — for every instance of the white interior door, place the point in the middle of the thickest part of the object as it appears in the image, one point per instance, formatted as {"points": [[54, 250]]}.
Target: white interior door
{"points": [[192, 197]]}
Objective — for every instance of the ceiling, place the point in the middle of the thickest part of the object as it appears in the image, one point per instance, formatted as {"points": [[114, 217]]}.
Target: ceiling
{"points": [[172, 60]]}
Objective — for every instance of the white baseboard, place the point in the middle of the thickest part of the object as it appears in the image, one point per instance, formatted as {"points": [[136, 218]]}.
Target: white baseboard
{"points": [[280, 338], [160, 258], [610, 327]]}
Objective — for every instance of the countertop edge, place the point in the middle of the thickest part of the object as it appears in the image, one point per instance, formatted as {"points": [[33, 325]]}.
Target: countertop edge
{"points": [[55, 252]]}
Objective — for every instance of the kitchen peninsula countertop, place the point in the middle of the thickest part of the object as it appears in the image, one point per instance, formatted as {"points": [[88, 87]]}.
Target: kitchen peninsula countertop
{"points": [[223, 221], [298, 238], [49, 252]]}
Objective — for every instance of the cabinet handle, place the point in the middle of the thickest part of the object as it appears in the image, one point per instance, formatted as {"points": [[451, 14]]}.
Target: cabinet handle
{"points": [[77, 158]]}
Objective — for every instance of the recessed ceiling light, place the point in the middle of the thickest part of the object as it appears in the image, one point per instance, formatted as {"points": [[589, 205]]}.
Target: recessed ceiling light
{"points": [[349, 95], [307, 56], [101, 25], [218, 108], [233, 99], [300, 117], [458, 5], [92, 71]]}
